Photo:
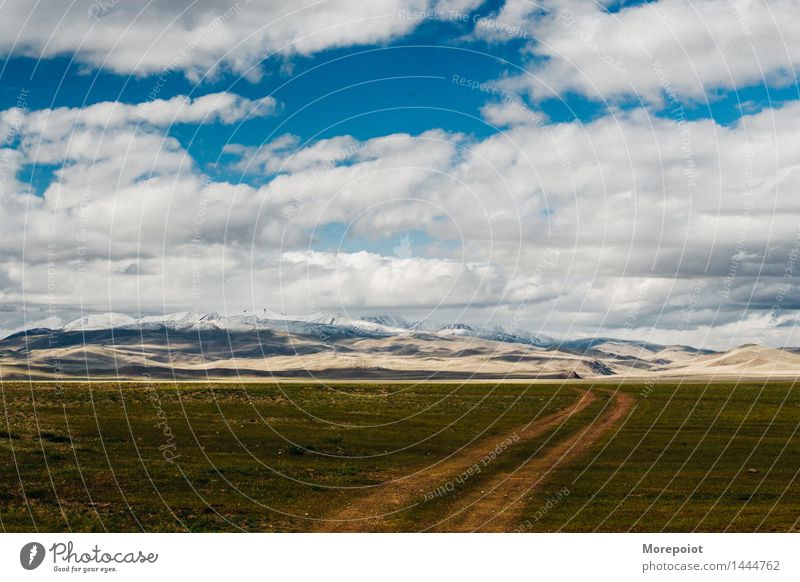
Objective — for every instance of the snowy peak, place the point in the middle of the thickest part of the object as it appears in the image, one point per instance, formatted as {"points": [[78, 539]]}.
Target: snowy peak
{"points": [[332, 324], [99, 321], [389, 321], [394, 341], [329, 323]]}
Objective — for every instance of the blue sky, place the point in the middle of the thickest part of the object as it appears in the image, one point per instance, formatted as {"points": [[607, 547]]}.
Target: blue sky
{"points": [[575, 128], [365, 91]]}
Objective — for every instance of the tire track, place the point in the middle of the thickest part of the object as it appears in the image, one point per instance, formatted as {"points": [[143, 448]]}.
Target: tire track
{"points": [[366, 514], [500, 507]]}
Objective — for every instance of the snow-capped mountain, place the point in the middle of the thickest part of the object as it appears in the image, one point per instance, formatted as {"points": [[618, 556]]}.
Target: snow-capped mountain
{"points": [[330, 324], [264, 343], [390, 321], [100, 321]]}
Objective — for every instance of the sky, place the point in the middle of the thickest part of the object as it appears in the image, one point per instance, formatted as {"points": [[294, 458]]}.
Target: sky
{"points": [[568, 167]]}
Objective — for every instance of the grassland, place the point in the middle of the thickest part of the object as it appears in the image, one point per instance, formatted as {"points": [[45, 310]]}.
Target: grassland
{"points": [[309, 457]]}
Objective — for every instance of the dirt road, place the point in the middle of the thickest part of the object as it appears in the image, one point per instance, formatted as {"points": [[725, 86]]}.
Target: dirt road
{"points": [[498, 506], [366, 514]]}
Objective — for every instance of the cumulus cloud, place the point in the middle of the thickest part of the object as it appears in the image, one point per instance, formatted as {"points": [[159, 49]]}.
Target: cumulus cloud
{"points": [[692, 48], [286, 154], [624, 199], [115, 168], [204, 36], [367, 280], [221, 107], [639, 210], [636, 225]]}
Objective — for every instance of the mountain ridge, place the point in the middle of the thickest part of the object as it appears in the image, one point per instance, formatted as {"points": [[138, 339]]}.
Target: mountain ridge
{"points": [[379, 325], [187, 345]]}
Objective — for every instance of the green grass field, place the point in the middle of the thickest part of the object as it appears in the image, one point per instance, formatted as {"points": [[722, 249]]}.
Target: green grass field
{"points": [[266, 457]]}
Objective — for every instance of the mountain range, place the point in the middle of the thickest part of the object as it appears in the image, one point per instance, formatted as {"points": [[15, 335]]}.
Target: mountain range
{"points": [[265, 344]]}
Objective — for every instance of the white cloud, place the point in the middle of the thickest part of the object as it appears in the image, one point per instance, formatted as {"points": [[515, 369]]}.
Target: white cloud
{"points": [[640, 208], [367, 280], [691, 47], [118, 177], [214, 107], [223, 107], [128, 38], [510, 113]]}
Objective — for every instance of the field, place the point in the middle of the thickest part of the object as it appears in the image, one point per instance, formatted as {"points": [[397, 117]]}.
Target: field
{"points": [[560, 456]]}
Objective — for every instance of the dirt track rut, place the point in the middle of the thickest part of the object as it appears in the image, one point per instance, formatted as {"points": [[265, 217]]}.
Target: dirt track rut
{"points": [[365, 514], [498, 507]]}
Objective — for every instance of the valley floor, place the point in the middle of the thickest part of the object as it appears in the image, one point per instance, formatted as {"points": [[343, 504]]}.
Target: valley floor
{"points": [[390, 456]]}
